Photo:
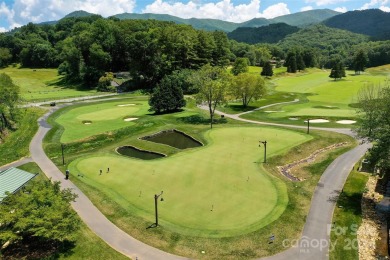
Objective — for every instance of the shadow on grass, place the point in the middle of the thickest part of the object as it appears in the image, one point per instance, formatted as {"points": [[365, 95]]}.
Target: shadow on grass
{"points": [[65, 84], [240, 108], [35, 248], [350, 202], [167, 112]]}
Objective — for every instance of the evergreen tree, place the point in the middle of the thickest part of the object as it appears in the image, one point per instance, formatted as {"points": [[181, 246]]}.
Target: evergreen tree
{"points": [[360, 61], [267, 70], [338, 71], [167, 96], [291, 62], [300, 62]]}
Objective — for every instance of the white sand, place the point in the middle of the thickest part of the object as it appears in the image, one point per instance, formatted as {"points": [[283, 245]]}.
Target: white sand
{"points": [[272, 111], [317, 121], [346, 122], [125, 105], [87, 123], [130, 119], [293, 118]]}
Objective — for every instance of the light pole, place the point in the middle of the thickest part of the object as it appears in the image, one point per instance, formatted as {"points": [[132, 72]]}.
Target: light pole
{"points": [[265, 149], [62, 150], [308, 125], [155, 205]]}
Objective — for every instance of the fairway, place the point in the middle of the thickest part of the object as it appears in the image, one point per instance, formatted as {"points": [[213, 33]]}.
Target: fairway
{"points": [[92, 119], [218, 190], [42, 84]]}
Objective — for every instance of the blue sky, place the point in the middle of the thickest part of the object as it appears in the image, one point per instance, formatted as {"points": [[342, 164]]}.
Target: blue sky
{"points": [[14, 13]]}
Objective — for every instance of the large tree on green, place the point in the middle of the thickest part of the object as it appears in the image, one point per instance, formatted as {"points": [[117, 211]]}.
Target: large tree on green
{"points": [[240, 65], [212, 84], [338, 71], [374, 113], [291, 62], [360, 61], [167, 96], [42, 211], [247, 87], [267, 70]]}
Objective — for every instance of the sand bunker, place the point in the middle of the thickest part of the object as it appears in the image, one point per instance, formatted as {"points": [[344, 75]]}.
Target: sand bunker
{"points": [[130, 119], [273, 111], [125, 105], [293, 118], [346, 122], [317, 121], [87, 123]]}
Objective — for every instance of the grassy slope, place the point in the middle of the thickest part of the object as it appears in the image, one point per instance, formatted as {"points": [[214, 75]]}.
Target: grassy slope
{"points": [[16, 144], [42, 84], [347, 218]]}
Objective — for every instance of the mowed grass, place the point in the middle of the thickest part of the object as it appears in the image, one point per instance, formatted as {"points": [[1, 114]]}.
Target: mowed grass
{"points": [[88, 120], [321, 96], [215, 191], [42, 84]]}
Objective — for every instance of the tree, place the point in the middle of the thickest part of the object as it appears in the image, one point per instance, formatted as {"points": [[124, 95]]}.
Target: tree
{"points": [[167, 96], [267, 70], [374, 113], [291, 62], [247, 87], [241, 65], [338, 71], [5, 57], [212, 84], [9, 97], [360, 61], [41, 210]]}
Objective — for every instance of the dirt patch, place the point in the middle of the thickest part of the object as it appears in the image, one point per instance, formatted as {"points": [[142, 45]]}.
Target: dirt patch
{"points": [[286, 169]]}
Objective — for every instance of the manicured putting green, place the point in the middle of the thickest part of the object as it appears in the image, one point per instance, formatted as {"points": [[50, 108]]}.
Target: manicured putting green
{"points": [[217, 190], [85, 121]]}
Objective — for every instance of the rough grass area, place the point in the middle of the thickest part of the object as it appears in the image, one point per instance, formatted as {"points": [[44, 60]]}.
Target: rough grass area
{"points": [[16, 144], [86, 246], [347, 218], [43, 84]]}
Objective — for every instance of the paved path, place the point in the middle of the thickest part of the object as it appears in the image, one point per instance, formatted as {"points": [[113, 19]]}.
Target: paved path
{"points": [[95, 220], [315, 229], [16, 163]]}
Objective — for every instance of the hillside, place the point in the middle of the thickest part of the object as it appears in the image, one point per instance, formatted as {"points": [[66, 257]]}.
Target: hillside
{"points": [[322, 37], [306, 18], [272, 33], [372, 22], [79, 13]]}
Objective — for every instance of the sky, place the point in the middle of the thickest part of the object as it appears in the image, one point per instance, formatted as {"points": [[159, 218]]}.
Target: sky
{"points": [[15, 13]]}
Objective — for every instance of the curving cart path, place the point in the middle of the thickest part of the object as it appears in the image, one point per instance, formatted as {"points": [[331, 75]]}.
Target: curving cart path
{"points": [[314, 243]]}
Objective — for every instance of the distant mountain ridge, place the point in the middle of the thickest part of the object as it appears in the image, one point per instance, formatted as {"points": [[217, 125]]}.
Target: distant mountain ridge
{"points": [[300, 19], [372, 22]]}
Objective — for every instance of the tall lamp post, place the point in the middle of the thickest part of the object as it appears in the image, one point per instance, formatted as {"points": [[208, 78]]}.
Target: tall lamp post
{"points": [[308, 125], [265, 149], [156, 196], [62, 150]]}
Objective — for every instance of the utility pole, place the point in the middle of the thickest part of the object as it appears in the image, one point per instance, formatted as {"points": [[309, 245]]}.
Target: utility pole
{"points": [[62, 150], [308, 125]]}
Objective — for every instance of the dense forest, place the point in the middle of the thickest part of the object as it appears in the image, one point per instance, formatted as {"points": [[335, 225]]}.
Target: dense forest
{"points": [[84, 49]]}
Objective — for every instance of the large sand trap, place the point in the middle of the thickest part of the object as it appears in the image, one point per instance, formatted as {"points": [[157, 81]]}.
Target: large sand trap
{"points": [[346, 122], [125, 105], [317, 121], [130, 119]]}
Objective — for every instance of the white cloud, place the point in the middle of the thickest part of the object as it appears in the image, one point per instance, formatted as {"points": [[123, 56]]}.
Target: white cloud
{"points": [[374, 4], [341, 9], [385, 9], [24, 11], [325, 2], [223, 10], [306, 8], [2, 29]]}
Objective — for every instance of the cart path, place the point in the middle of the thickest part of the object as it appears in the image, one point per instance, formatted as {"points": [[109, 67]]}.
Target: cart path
{"points": [[315, 229]]}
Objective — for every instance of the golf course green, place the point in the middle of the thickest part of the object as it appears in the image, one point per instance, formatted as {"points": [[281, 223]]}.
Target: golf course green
{"points": [[217, 190], [88, 120]]}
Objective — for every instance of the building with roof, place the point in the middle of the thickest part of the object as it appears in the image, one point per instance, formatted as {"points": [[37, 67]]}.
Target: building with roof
{"points": [[12, 180]]}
